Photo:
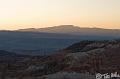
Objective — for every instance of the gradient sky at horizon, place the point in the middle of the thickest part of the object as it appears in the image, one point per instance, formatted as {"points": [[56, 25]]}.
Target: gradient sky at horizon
{"points": [[19, 14]]}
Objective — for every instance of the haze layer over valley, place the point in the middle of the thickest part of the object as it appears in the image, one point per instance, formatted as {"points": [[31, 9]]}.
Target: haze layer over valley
{"points": [[45, 41]]}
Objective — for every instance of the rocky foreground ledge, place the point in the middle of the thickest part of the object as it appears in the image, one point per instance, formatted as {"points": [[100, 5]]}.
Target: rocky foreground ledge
{"points": [[78, 61]]}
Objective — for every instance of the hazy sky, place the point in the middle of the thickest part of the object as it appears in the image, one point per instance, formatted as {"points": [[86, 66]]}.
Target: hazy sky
{"points": [[16, 14]]}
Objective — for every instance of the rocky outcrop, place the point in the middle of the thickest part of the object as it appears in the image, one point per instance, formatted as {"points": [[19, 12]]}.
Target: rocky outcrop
{"points": [[68, 75], [79, 61]]}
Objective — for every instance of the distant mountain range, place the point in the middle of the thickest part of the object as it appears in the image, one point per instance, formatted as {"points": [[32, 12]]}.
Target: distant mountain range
{"points": [[47, 40], [75, 30], [33, 43]]}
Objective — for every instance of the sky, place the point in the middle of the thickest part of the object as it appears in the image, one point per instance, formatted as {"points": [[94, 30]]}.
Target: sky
{"points": [[19, 14]]}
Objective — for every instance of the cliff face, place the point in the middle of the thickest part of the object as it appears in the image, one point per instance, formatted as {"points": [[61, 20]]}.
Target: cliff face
{"points": [[73, 62]]}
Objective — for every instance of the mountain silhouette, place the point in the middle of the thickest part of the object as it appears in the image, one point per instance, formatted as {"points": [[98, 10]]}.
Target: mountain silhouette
{"points": [[75, 30]]}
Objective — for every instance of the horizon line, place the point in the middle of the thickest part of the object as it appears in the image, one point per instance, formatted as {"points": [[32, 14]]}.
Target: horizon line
{"points": [[59, 26]]}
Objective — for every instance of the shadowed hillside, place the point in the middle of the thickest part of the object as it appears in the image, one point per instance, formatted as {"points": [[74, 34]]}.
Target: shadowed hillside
{"points": [[78, 61]]}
